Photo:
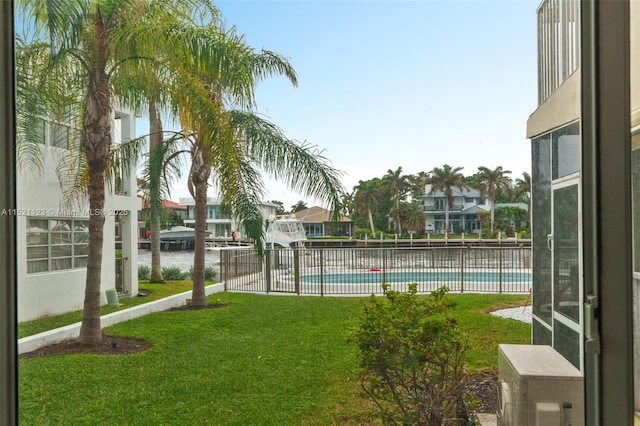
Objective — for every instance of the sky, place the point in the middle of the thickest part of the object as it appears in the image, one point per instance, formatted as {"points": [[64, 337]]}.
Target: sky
{"points": [[388, 84]]}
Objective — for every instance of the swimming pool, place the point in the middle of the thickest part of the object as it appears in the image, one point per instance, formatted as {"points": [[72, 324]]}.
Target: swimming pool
{"points": [[416, 276]]}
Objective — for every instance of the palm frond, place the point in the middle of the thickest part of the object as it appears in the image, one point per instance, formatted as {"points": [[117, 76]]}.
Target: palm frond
{"points": [[302, 167]]}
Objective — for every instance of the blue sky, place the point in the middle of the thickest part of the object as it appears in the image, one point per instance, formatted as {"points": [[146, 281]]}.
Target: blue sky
{"points": [[388, 84]]}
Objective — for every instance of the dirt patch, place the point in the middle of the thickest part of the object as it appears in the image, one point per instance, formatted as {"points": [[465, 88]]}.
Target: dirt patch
{"points": [[188, 307], [110, 345], [484, 387]]}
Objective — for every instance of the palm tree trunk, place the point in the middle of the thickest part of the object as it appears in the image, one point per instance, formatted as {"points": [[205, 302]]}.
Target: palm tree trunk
{"points": [[373, 230], [398, 216], [155, 140], [200, 172], [446, 218], [492, 214], [96, 143]]}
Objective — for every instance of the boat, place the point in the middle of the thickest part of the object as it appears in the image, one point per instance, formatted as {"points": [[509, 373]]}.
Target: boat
{"points": [[285, 232], [178, 238]]}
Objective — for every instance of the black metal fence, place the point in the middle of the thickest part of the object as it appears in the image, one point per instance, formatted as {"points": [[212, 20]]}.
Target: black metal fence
{"points": [[362, 271]]}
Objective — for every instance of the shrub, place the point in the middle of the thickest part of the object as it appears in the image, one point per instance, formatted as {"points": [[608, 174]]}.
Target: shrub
{"points": [[210, 273], [174, 273], [144, 272], [411, 358]]}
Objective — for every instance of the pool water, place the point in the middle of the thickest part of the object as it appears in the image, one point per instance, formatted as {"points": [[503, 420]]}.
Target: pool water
{"points": [[417, 276]]}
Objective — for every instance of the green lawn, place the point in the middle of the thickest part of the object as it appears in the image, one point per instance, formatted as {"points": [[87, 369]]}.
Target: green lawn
{"points": [[261, 360], [156, 291]]}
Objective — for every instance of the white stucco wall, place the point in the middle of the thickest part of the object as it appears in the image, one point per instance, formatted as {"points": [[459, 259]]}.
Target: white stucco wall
{"points": [[49, 293]]}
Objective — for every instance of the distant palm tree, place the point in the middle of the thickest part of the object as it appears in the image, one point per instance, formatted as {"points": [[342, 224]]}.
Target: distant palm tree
{"points": [[396, 186], [445, 179], [367, 197], [412, 217], [522, 190], [300, 205], [491, 182], [417, 184]]}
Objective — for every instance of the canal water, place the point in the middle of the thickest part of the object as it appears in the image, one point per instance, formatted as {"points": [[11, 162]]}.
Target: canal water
{"points": [[181, 258]]}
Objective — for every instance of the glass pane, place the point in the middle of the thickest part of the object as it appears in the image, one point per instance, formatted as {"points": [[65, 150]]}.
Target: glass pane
{"points": [[37, 266], [57, 264], [566, 252], [37, 225], [541, 227], [37, 252], [566, 150], [61, 250], [80, 249], [567, 342], [541, 334]]}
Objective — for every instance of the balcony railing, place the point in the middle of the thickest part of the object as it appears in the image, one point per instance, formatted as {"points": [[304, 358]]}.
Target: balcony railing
{"points": [[558, 44], [452, 208]]}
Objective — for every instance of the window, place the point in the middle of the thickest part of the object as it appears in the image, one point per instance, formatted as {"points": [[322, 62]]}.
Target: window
{"points": [[56, 244]]}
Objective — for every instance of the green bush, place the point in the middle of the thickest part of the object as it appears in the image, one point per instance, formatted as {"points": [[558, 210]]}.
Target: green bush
{"points": [[174, 273], [144, 272], [210, 273], [411, 358]]}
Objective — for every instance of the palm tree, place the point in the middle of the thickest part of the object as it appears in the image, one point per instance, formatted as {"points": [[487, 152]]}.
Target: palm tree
{"points": [[98, 44], [522, 190], [417, 184], [491, 182], [445, 179], [367, 197], [227, 141], [162, 167], [396, 185], [412, 217], [300, 205]]}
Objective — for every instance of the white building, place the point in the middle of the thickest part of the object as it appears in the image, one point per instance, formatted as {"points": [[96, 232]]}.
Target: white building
{"points": [[52, 238], [219, 222]]}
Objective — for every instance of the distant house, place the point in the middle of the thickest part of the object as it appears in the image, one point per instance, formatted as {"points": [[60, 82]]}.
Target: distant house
{"points": [[172, 210], [317, 222], [52, 238], [464, 208], [219, 222]]}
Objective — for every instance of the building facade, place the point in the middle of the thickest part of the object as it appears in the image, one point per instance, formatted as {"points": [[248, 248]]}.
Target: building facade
{"points": [[318, 222], [52, 235], [219, 222], [585, 145], [463, 210]]}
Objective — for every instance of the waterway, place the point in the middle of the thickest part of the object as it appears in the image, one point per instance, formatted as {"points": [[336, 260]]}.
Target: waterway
{"points": [[180, 258]]}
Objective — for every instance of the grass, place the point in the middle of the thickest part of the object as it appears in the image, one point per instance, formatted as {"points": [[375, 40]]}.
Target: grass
{"points": [[156, 291], [262, 360]]}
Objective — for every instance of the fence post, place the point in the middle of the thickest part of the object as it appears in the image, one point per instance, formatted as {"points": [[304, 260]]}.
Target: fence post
{"points": [[267, 269], [296, 269], [500, 250], [321, 252], [461, 270], [224, 269], [384, 265]]}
